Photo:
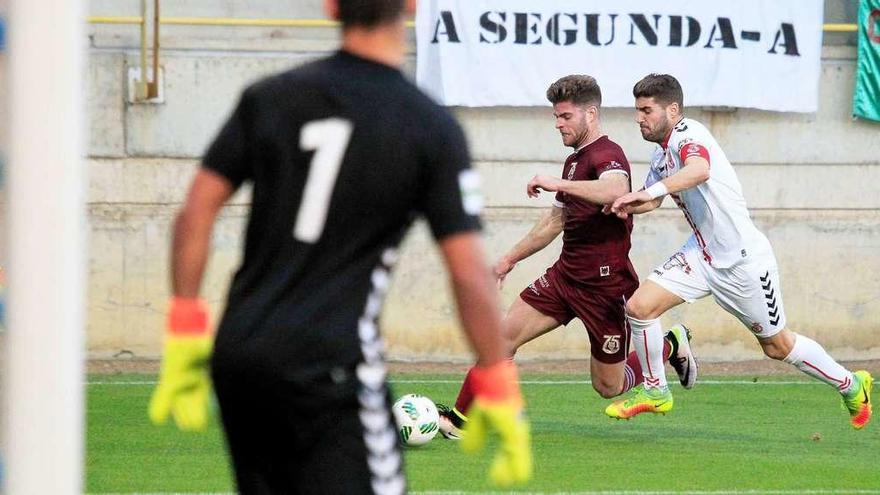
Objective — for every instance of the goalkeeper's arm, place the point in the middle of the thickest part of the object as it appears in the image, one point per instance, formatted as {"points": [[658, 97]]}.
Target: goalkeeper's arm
{"points": [[498, 405], [184, 387], [474, 289], [192, 231]]}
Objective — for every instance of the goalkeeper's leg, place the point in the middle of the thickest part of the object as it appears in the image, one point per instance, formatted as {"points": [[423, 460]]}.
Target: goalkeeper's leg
{"points": [[247, 429], [283, 440]]}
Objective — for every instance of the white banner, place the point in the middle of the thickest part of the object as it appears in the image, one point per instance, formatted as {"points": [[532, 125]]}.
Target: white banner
{"points": [[744, 53]]}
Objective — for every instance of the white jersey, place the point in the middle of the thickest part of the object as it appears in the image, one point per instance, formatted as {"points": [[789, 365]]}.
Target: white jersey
{"points": [[716, 209]]}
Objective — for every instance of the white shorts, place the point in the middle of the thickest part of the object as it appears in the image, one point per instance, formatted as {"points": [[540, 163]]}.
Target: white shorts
{"points": [[749, 290]]}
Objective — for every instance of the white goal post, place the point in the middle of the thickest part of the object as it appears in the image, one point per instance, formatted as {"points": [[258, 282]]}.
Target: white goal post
{"points": [[42, 410]]}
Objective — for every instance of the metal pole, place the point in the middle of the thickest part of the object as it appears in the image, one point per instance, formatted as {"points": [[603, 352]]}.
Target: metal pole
{"points": [[142, 83], [43, 396], [153, 88]]}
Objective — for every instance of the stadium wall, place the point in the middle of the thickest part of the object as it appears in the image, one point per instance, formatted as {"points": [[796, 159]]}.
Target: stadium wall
{"points": [[810, 180]]}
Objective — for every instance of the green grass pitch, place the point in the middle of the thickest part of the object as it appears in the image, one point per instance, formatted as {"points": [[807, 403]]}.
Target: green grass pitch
{"points": [[727, 435]]}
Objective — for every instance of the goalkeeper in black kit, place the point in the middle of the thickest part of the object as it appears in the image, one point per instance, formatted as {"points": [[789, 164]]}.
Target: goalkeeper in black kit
{"points": [[342, 153]]}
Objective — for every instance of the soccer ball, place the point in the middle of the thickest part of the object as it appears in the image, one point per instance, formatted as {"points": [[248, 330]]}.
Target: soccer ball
{"points": [[417, 419]]}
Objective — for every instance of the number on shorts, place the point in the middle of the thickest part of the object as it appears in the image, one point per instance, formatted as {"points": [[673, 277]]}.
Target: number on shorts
{"points": [[329, 138]]}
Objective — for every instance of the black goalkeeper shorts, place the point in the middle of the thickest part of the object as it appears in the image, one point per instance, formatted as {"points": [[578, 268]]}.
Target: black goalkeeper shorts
{"points": [[324, 435]]}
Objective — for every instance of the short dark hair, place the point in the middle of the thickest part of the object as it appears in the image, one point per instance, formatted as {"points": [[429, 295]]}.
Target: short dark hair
{"points": [[579, 89], [369, 13], [664, 88]]}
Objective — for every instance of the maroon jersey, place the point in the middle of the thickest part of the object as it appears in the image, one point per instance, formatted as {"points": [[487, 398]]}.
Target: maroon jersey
{"points": [[595, 246]]}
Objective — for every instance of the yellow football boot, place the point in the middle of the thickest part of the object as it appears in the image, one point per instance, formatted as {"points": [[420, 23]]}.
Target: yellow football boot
{"points": [[641, 401], [859, 403]]}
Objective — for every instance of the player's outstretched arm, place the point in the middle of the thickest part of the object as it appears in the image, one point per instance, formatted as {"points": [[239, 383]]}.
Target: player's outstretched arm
{"points": [[636, 209], [647, 206], [548, 227], [695, 172], [637, 202], [601, 191], [498, 405], [184, 389]]}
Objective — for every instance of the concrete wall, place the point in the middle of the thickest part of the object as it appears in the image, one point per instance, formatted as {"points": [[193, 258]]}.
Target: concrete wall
{"points": [[811, 181]]}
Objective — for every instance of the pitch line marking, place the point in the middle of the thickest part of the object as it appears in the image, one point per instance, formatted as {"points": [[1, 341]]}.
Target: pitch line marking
{"points": [[835, 491], [587, 382], [527, 382]]}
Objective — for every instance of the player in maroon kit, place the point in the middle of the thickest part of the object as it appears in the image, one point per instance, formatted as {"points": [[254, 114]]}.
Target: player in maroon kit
{"points": [[593, 276]]}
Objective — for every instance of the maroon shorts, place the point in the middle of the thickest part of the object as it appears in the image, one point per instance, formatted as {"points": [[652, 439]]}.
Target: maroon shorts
{"points": [[603, 315]]}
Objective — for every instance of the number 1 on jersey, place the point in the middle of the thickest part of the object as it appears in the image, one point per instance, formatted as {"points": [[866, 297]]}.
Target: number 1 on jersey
{"points": [[329, 138]]}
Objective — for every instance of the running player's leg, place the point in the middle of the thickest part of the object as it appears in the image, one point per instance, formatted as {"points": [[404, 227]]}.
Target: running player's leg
{"points": [[609, 379], [811, 358], [522, 324], [614, 368], [751, 292], [681, 355], [643, 315], [632, 368], [525, 322], [539, 309], [644, 309], [681, 278], [604, 317]]}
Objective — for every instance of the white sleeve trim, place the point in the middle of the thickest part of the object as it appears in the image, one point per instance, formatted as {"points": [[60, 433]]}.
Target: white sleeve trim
{"points": [[558, 204], [614, 171]]}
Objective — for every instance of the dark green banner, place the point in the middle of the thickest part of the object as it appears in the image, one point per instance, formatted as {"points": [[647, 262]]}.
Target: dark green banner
{"points": [[866, 101]]}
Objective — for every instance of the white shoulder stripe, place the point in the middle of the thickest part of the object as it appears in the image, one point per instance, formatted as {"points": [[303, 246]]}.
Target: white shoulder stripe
{"points": [[614, 171]]}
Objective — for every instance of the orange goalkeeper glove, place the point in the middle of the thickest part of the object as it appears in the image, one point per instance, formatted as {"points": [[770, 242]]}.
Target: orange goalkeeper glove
{"points": [[184, 384], [498, 406]]}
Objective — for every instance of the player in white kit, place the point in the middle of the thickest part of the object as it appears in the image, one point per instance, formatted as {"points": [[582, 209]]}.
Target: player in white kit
{"points": [[725, 257]]}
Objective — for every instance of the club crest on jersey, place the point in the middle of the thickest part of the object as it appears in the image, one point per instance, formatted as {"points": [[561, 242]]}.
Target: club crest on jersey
{"points": [[677, 260], [571, 170], [604, 271], [612, 344]]}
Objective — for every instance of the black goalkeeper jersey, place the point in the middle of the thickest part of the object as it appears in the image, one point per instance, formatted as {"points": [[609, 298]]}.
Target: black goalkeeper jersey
{"points": [[343, 153]]}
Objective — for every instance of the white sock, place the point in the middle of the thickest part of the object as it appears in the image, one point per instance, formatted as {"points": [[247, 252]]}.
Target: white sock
{"points": [[808, 356], [647, 338]]}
